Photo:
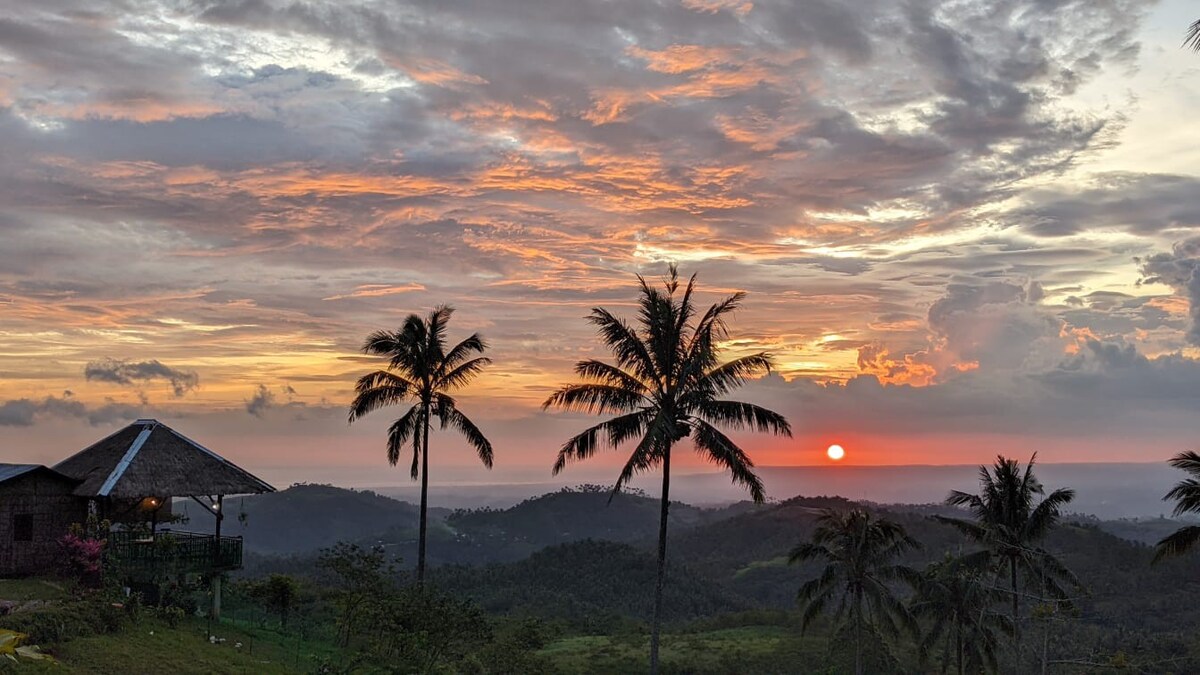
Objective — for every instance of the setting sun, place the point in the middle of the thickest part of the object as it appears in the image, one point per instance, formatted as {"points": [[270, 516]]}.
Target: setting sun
{"points": [[835, 452]]}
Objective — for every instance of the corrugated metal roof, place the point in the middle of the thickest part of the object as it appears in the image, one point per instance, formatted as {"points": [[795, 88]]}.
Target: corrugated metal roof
{"points": [[9, 471]]}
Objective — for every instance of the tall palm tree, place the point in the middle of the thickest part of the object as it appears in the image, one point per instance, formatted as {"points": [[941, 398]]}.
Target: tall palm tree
{"points": [[667, 384], [1192, 39], [955, 601], [1187, 495], [861, 551], [1009, 521], [421, 370]]}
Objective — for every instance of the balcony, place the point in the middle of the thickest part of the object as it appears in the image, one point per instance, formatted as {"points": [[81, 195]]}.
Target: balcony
{"points": [[171, 552]]}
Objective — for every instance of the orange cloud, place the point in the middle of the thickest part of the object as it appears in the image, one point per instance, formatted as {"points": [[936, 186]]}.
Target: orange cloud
{"points": [[376, 290], [738, 7]]}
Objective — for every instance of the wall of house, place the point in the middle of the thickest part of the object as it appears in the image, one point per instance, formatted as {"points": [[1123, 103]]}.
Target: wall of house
{"points": [[40, 505]]}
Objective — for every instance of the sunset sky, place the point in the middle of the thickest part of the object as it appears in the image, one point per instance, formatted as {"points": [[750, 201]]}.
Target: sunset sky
{"points": [[965, 226]]}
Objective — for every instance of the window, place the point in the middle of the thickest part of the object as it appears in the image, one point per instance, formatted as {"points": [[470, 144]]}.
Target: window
{"points": [[23, 527]]}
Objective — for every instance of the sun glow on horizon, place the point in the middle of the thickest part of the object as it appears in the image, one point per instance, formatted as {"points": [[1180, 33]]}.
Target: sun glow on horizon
{"points": [[836, 452]]}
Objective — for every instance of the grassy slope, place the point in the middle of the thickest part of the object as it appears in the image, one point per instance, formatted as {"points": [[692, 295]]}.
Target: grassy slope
{"points": [[152, 647], [22, 590], [758, 649]]}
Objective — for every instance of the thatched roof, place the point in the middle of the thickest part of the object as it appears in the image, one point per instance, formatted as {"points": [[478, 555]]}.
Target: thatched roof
{"points": [[11, 471], [148, 458]]}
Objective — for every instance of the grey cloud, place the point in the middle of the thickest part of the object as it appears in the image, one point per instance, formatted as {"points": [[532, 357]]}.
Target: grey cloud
{"points": [[1179, 269], [24, 412], [129, 373], [1135, 203], [262, 401]]}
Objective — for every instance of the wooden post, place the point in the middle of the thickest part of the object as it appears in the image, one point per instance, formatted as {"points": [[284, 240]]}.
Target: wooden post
{"points": [[216, 572]]}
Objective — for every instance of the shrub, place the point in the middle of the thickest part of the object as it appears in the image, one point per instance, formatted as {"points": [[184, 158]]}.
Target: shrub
{"points": [[62, 622], [83, 558]]}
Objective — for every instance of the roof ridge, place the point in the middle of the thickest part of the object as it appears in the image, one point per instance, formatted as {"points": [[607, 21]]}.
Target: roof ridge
{"points": [[127, 459]]}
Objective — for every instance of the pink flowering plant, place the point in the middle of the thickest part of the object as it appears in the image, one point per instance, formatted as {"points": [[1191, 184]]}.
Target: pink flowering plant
{"points": [[84, 558]]}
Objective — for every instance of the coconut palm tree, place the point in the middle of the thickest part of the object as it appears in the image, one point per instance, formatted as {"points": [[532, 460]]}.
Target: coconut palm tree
{"points": [[860, 550], [1186, 494], [1192, 39], [421, 370], [955, 601], [1009, 521], [667, 384]]}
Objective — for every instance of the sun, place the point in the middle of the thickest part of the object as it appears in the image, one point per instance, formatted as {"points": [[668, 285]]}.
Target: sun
{"points": [[836, 452]]}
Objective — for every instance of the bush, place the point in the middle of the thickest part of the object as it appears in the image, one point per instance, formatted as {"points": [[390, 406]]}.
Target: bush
{"points": [[62, 622], [170, 615]]}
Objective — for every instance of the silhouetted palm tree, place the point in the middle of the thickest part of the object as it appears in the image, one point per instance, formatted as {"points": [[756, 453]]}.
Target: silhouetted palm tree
{"points": [[861, 552], [421, 370], [667, 384], [1192, 39], [1187, 495], [955, 601], [1009, 521]]}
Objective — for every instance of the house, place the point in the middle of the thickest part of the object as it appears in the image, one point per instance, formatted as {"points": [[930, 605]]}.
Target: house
{"points": [[37, 506], [129, 477]]}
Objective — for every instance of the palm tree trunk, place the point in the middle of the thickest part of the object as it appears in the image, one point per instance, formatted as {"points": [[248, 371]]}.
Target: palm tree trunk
{"points": [[662, 561], [1016, 613], [858, 669], [959, 640], [424, 431]]}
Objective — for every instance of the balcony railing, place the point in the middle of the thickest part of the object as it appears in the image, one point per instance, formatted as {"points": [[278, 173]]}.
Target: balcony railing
{"points": [[173, 552]]}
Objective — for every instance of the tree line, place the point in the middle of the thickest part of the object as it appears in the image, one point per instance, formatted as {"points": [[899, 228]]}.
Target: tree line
{"points": [[667, 383]]}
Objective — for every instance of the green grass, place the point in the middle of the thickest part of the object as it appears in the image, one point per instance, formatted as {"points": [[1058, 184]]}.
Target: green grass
{"points": [[22, 590], [152, 647], [758, 649]]}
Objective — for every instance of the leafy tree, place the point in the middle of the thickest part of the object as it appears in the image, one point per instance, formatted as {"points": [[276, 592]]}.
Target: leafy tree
{"points": [[1009, 521], [421, 370], [1192, 39], [667, 385], [278, 592], [860, 551], [360, 576], [417, 629], [955, 601], [1186, 494]]}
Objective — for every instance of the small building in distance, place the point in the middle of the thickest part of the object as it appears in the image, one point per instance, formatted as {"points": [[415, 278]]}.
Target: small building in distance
{"points": [[37, 507], [128, 478]]}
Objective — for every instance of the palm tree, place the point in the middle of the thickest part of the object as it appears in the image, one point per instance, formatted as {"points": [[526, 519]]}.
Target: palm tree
{"points": [[955, 600], [1192, 39], [1187, 495], [667, 384], [1009, 522], [861, 550], [422, 371]]}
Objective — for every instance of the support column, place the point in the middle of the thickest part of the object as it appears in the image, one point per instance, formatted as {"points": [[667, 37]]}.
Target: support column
{"points": [[216, 559]]}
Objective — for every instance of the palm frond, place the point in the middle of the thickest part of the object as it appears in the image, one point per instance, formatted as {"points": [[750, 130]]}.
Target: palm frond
{"points": [[739, 415], [649, 452], [378, 390], [594, 398], [459, 353], [1177, 543], [1046, 514], [1192, 39], [720, 450], [733, 374], [452, 417], [403, 429], [459, 376], [604, 373], [609, 433], [625, 344]]}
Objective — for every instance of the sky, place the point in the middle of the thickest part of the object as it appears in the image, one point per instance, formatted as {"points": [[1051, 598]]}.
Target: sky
{"points": [[965, 227]]}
